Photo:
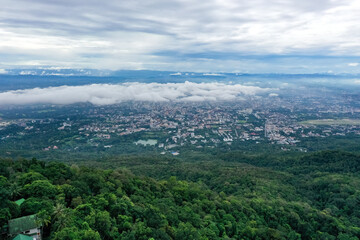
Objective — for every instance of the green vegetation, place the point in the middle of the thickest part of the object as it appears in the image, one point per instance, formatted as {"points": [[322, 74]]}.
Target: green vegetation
{"points": [[232, 196]]}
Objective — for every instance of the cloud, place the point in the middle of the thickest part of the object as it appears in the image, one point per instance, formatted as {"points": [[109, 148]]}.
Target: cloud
{"points": [[3, 71], [103, 94], [353, 64], [132, 34]]}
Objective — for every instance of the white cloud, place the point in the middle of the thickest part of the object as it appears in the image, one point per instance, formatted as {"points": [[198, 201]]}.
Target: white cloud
{"points": [[353, 64], [273, 95], [131, 34], [3, 71], [27, 73], [103, 94]]}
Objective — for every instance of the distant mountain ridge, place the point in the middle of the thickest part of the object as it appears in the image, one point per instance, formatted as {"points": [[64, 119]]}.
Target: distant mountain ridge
{"points": [[16, 79], [54, 71]]}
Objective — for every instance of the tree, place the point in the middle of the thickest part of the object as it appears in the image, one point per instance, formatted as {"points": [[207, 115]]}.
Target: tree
{"points": [[186, 231], [41, 189], [28, 178], [61, 216]]}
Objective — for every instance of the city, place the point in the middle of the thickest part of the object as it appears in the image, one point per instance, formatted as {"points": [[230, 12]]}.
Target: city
{"points": [[171, 127]]}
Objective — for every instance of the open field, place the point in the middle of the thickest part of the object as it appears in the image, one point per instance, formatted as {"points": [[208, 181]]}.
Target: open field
{"points": [[344, 121]]}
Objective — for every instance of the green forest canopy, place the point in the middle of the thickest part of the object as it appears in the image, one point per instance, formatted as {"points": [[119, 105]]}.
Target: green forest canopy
{"points": [[315, 196]]}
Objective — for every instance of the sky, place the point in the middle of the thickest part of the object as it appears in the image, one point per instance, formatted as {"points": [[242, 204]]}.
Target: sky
{"points": [[257, 36]]}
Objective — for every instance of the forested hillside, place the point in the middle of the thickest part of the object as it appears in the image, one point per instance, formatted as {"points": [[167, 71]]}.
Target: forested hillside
{"points": [[314, 196]]}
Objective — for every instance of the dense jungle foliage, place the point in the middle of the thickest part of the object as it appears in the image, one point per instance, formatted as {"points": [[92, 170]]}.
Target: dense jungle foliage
{"points": [[235, 196]]}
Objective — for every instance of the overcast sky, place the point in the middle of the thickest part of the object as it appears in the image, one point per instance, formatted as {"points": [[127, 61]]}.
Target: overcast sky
{"points": [[186, 35]]}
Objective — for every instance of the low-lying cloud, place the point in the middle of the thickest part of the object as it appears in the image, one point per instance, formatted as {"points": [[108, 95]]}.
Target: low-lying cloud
{"points": [[104, 94]]}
